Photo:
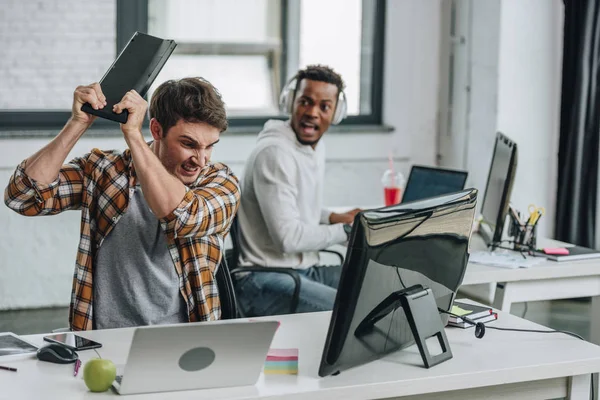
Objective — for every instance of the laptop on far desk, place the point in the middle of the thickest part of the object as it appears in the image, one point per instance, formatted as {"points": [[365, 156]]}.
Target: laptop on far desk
{"points": [[425, 182], [195, 356]]}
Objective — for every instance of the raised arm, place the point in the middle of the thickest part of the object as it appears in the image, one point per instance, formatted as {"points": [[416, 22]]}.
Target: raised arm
{"points": [[43, 166], [42, 185], [207, 209]]}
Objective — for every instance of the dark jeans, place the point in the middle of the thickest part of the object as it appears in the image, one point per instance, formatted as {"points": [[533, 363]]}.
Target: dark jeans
{"points": [[270, 293]]}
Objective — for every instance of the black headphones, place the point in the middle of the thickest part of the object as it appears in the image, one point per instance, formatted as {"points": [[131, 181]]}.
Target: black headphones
{"points": [[479, 326], [286, 102]]}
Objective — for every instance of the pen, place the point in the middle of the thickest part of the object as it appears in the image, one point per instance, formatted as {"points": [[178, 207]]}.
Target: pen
{"points": [[8, 368], [76, 368]]}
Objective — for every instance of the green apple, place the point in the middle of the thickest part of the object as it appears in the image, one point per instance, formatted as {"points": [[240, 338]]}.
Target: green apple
{"points": [[99, 374]]}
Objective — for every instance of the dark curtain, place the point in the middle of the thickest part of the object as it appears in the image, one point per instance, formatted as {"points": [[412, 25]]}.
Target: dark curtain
{"points": [[579, 124]]}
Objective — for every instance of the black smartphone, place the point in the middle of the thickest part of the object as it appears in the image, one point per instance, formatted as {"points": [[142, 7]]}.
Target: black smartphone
{"points": [[72, 341]]}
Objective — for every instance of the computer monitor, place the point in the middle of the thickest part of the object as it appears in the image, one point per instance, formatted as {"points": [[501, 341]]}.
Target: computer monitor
{"points": [[498, 190], [390, 249], [424, 182]]}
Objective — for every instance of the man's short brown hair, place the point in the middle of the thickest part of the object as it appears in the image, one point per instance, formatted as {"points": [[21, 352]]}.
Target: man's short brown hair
{"points": [[190, 99]]}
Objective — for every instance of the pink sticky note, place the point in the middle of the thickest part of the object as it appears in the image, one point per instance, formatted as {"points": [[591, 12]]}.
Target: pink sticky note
{"points": [[558, 251], [283, 354]]}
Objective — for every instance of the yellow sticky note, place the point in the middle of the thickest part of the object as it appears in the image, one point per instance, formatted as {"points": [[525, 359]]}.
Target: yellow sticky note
{"points": [[460, 311]]}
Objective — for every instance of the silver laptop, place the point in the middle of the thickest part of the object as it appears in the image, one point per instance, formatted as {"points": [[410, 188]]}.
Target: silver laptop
{"points": [[195, 356]]}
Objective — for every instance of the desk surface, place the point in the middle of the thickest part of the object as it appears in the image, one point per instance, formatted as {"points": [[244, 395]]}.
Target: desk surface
{"points": [[478, 273], [499, 358]]}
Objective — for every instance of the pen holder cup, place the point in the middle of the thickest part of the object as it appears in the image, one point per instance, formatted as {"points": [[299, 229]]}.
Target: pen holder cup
{"points": [[526, 238]]}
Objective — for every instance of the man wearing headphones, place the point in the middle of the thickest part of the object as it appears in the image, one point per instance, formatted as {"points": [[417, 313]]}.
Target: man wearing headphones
{"points": [[282, 221]]}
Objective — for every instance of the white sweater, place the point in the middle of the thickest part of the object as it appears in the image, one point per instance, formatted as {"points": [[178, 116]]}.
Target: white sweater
{"points": [[281, 217]]}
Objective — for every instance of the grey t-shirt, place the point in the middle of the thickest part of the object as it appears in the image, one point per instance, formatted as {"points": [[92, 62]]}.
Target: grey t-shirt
{"points": [[135, 282]]}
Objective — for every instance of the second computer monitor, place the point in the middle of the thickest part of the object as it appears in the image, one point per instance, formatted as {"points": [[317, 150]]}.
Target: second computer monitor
{"points": [[498, 189]]}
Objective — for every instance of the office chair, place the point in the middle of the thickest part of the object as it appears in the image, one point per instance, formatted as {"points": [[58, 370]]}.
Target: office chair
{"points": [[229, 309], [233, 255]]}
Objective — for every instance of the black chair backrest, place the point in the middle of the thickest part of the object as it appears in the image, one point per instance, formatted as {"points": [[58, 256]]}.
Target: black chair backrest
{"points": [[233, 254], [226, 292]]}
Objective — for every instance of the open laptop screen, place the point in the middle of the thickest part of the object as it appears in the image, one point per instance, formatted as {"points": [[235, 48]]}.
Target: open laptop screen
{"points": [[425, 182]]}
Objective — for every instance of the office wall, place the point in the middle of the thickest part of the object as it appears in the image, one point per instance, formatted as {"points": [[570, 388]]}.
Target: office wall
{"points": [[37, 254], [529, 70], [482, 114], [513, 86]]}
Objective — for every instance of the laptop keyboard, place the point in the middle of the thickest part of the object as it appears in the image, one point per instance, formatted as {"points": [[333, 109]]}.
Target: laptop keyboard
{"points": [[118, 378]]}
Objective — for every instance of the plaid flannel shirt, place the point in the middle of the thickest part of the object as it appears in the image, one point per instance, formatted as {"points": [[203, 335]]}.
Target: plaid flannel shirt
{"points": [[100, 184]]}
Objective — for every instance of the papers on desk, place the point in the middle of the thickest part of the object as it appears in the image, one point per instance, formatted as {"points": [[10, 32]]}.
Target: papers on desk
{"points": [[504, 259]]}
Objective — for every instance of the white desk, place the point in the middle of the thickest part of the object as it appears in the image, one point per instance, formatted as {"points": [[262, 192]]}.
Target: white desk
{"points": [[502, 365], [549, 280]]}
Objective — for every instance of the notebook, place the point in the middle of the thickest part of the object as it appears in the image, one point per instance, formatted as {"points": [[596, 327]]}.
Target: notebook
{"points": [[135, 68], [471, 311], [575, 253]]}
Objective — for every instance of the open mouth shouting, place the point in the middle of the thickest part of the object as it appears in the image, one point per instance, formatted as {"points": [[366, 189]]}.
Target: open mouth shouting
{"points": [[308, 129]]}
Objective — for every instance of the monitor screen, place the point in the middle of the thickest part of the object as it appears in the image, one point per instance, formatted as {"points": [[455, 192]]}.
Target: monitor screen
{"points": [[424, 182], [498, 189], [390, 249]]}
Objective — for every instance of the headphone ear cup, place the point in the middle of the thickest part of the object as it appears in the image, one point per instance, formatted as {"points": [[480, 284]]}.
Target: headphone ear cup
{"points": [[286, 98], [341, 109]]}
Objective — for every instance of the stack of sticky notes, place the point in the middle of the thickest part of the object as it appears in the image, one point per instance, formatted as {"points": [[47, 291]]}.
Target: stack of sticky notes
{"points": [[282, 361]]}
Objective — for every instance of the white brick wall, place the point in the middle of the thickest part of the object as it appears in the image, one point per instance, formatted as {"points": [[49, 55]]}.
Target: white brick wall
{"points": [[48, 47]]}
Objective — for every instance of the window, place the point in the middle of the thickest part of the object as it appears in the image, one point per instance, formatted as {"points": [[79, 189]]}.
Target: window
{"points": [[238, 52], [339, 46], [247, 49], [249, 55]]}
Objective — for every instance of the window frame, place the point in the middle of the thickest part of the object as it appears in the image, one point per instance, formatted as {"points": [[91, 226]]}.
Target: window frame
{"points": [[132, 15]]}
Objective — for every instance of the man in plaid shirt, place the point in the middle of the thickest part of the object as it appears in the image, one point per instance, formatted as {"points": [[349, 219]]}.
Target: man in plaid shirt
{"points": [[153, 218]]}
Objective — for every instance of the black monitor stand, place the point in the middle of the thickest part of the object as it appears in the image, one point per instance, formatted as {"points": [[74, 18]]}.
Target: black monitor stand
{"points": [[422, 315]]}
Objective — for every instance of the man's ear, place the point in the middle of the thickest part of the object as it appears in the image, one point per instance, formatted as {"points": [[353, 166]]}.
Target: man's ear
{"points": [[156, 129]]}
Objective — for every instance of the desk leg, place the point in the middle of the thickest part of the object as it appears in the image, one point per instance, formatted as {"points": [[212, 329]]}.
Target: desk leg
{"points": [[502, 298], [579, 387], [595, 335], [595, 320]]}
